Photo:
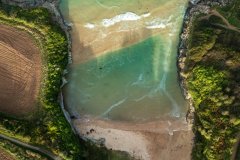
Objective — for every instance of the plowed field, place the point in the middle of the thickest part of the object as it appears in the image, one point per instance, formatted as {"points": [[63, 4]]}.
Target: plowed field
{"points": [[5, 156], [20, 72]]}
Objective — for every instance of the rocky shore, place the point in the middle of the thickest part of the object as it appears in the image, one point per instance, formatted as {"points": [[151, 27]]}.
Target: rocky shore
{"points": [[195, 7]]}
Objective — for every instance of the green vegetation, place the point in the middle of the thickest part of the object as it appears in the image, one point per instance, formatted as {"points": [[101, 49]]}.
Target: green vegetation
{"points": [[213, 67], [231, 12], [20, 153], [48, 127], [238, 153]]}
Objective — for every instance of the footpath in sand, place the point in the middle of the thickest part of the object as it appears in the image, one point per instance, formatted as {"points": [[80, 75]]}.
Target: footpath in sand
{"points": [[20, 71], [156, 140]]}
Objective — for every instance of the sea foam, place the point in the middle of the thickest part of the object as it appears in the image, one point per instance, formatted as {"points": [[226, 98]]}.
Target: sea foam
{"points": [[113, 106], [89, 26], [128, 16], [146, 15], [159, 23]]}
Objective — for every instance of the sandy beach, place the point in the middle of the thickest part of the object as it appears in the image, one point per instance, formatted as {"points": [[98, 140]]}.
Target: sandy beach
{"points": [[110, 30], [88, 43], [101, 28], [157, 140]]}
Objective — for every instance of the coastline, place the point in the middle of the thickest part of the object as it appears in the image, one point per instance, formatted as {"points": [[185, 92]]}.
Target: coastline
{"points": [[57, 16], [173, 143], [170, 139], [68, 143], [178, 142], [194, 7], [147, 137]]}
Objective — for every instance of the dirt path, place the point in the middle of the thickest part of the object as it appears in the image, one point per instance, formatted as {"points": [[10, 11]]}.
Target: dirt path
{"points": [[20, 72], [157, 140], [227, 24]]}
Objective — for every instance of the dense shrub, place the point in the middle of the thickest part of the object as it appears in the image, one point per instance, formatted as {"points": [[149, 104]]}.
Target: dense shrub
{"points": [[214, 86]]}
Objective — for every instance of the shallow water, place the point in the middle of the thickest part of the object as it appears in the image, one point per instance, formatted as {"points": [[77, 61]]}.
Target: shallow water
{"points": [[133, 77]]}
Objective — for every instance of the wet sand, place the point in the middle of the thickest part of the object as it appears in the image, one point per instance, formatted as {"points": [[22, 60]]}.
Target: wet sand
{"points": [[98, 30], [157, 140], [92, 44]]}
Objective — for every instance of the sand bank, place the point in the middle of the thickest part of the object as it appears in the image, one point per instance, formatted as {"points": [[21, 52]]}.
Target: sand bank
{"points": [[157, 140]]}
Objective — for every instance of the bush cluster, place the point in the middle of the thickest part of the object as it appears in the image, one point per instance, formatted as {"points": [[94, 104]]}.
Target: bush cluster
{"points": [[213, 81]]}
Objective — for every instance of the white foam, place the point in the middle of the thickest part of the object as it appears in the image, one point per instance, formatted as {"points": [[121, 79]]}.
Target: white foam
{"points": [[128, 16], [146, 15], [89, 26], [114, 106], [162, 85], [175, 110], [171, 34], [141, 98], [139, 80], [104, 6], [159, 23]]}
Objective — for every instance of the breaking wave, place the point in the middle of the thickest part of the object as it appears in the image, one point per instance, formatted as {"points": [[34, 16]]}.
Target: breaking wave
{"points": [[128, 16], [89, 26], [159, 23]]}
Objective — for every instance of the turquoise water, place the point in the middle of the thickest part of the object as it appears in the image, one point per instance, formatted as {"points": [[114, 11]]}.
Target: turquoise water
{"points": [[137, 82]]}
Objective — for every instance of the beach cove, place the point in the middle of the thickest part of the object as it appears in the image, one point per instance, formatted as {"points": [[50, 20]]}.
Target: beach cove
{"points": [[123, 79]]}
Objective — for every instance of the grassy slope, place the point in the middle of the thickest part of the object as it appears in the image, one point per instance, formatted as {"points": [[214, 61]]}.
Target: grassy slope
{"points": [[18, 153], [48, 128], [213, 69]]}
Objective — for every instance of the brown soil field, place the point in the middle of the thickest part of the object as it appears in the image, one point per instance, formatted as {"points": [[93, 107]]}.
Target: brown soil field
{"points": [[20, 72], [5, 156]]}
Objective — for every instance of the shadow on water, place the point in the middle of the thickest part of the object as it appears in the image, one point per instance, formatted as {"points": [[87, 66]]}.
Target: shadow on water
{"points": [[83, 49], [112, 72], [78, 45], [94, 82], [135, 36]]}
